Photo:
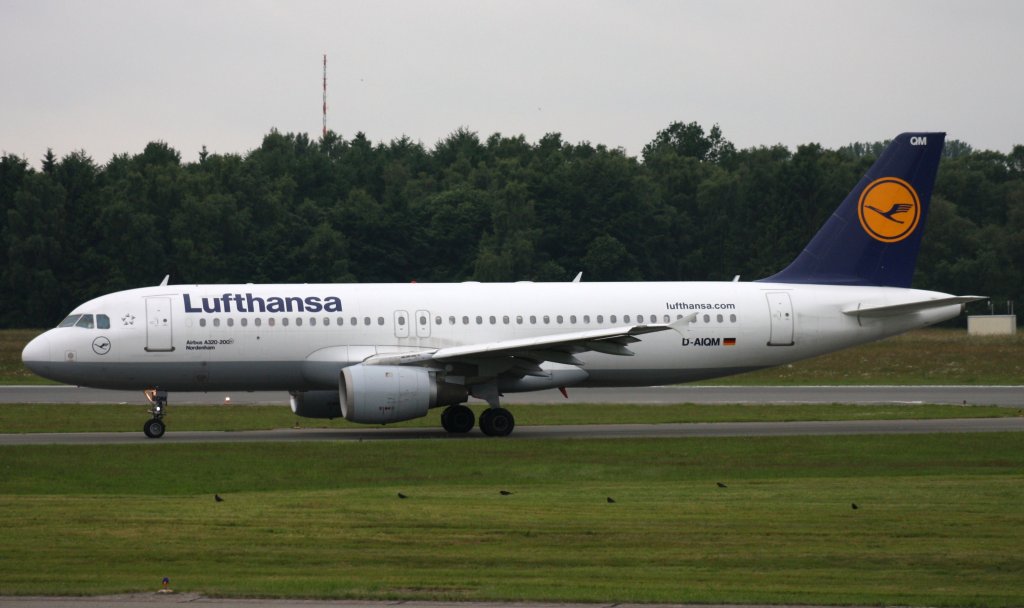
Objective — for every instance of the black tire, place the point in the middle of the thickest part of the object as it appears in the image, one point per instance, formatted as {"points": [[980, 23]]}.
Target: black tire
{"points": [[497, 422], [154, 428], [458, 419]]}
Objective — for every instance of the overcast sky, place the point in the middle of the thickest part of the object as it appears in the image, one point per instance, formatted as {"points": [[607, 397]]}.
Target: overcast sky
{"points": [[108, 77]]}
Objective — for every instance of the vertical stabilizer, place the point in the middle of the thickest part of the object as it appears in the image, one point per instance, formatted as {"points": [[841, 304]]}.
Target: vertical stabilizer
{"points": [[874, 236]]}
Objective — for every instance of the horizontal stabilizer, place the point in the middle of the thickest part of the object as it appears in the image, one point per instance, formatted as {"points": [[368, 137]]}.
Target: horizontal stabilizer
{"points": [[909, 307]]}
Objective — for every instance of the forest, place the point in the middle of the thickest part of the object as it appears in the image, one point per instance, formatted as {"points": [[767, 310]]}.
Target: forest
{"points": [[691, 206]]}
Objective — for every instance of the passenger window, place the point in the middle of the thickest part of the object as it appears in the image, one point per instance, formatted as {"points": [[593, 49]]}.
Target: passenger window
{"points": [[572, 319], [451, 320], [533, 319], [103, 321], [654, 318], [547, 319], [257, 321], [625, 318], [366, 320], [380, 320], [423, 320], [298, 321], [612, 318], [667, 319], [245, 322], [216, 322], [437, 320], [720, 319], [519, 319], [559, 319], [271, 321], [354, 321], [341, 321], [231, 322], [312, 321], [401, 321], [732, 318], [479, 320], [86, 322], [465, 320], [600, 318], [586, 319], [70, 321], [707, 318], [492, 319], [505, 320], [202, 322], [284, 321]]}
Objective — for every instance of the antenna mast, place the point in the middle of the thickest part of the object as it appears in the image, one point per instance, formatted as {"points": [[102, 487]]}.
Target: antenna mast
{"points": [[325, 96]]}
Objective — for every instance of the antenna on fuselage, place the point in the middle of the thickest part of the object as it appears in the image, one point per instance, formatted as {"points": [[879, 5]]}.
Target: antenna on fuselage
{"points": [[579, 275], [164, 282]]}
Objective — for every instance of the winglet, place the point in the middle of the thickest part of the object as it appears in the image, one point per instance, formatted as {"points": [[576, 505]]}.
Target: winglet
{"points": [[164, 282]]}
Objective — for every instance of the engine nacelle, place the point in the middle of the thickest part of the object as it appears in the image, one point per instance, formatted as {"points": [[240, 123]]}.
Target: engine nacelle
{"points": [[378, 394], [316, 404]]}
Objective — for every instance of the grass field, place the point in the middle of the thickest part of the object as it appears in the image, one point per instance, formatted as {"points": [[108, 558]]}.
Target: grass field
{"points": [[939, 521], [928, 356]]}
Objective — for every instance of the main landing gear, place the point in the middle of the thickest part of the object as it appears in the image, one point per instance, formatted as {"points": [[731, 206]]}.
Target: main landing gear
{"points": [[155, 427], [494, 421]]}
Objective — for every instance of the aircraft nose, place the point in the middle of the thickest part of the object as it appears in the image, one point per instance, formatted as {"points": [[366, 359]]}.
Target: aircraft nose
{"points": [[36, 354]]}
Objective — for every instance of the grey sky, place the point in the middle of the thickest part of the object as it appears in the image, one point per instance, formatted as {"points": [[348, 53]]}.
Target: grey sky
{"points": [[110, 76]]}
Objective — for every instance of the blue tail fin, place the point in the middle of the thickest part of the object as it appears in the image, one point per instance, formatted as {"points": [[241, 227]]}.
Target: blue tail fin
{"points": [[874, 236]]}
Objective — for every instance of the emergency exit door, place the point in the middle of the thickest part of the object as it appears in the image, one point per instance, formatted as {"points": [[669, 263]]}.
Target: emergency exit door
{"points": [[781, 309], [158, 325]]}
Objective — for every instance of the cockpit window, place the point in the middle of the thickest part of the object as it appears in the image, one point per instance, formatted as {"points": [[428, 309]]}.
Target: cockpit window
{"points": [[86, 321], [70, 321], [103, 321]]}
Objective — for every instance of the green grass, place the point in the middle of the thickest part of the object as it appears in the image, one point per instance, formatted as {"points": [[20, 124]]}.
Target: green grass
{"points": [[939, 522], [922, 357], [927, 356], [69, 418], [12, 342]]}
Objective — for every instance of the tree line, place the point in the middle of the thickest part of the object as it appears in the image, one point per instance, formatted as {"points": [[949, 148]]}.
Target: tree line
{"points": [[691, 206]]}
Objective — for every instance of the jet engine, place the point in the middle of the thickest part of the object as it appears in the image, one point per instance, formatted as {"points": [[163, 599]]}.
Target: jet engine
{"points": [[378, 394], [316, 404]]}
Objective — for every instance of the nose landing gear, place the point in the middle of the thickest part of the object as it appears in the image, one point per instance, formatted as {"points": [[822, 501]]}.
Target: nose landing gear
{"points": [[155, 427]]}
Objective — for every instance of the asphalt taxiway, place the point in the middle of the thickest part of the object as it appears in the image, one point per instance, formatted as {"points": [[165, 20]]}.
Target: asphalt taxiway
{"points": [[589, 431], [1006, 396]]}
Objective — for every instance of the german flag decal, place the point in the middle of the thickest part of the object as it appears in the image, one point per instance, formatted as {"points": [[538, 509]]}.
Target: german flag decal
{"points": [[728, 341]]}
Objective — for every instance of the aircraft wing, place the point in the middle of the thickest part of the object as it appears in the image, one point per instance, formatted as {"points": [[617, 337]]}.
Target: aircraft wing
{"points": [[557, 348]]}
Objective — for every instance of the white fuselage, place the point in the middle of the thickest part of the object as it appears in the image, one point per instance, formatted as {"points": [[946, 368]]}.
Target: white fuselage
{"points": [[297, 337]]}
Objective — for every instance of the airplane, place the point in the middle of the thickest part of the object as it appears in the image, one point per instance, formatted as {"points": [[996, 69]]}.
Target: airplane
{"points": [[385, 353]]}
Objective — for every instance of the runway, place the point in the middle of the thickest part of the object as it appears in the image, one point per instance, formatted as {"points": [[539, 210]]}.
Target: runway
{"points": [[1005, 396]]}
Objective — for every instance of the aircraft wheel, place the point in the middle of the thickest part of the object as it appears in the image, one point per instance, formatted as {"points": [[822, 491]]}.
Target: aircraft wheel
{"points": [[497, 422], [154, 428], [457, 419]]}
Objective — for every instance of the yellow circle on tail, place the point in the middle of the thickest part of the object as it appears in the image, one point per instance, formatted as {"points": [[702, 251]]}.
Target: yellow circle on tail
{"points": [[889, 209]]}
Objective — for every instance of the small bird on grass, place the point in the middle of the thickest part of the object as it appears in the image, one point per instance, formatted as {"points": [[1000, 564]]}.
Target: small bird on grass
{"points": [[611, 500], [218, 498], [721, 485], [400, 495], [504, 492], [854, 506]]}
